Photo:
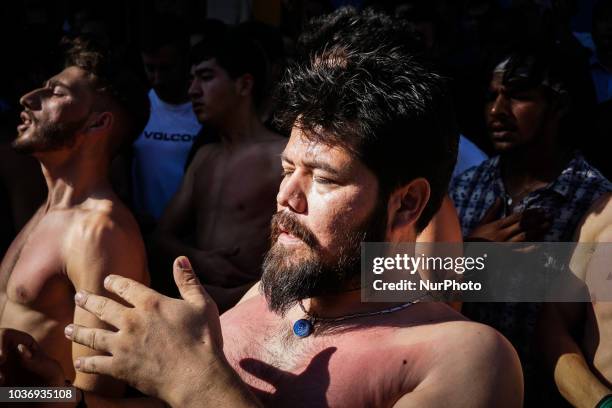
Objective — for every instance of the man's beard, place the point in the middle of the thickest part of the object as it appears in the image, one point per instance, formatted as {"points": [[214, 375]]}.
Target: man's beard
{"points": [[48, 137], [284, 282]]}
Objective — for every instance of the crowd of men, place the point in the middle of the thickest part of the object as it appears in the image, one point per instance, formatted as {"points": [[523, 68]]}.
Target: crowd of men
{"points": [[208, 194]]}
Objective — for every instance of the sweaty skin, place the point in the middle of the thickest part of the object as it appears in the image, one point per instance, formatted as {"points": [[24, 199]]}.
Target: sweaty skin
{"points": [[81, 234], [582, 363], [344, 367]]}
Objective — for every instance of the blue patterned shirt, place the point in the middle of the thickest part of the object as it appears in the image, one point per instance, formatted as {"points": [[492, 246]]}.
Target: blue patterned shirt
{"points": [[565, 200]]}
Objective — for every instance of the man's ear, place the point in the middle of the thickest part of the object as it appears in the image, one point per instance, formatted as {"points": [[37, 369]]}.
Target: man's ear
{"points": [[405, 207], [245, 84], [100, 122]]}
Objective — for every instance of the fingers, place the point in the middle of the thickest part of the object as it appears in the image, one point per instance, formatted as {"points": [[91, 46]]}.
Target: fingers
{"points": [[188, 283], [522, 237], [95, 339], [514, 218], [127, 289], [102, 307], [9, 339], [94, 365], [511, 231]]}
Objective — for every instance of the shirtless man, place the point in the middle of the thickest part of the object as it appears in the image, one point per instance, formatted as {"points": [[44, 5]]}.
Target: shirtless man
{"points": [[575, 337], [72, 125], [221, 214], [346, 180]]}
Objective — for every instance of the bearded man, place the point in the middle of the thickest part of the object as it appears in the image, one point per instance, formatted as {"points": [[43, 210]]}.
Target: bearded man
{"points": [[371, 151], [73, 125]]}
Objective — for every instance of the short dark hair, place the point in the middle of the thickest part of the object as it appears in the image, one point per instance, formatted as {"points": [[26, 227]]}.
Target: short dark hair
{"points": [[237, 55], [561, 75], [376, 98], [115, 83]]}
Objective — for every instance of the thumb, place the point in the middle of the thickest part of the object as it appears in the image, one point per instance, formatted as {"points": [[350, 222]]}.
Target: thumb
{"points": [[492, 213], [188, 283]]}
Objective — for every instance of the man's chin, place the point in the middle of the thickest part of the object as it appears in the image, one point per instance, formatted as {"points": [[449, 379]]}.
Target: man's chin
{"points": [[23, 145]]}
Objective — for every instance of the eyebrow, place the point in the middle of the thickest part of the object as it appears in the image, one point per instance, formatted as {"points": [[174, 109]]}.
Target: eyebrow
{"points": [[201, 71], [313, 163], [55, 82]]}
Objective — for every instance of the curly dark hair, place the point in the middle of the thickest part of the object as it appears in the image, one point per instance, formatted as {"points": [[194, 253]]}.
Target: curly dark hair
{"points": [[376, 98], [120, 89]]}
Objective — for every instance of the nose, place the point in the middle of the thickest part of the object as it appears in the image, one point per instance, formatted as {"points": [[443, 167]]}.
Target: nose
{"points": [[500, 106], [194, 90], [291, 195], [31, 100]]}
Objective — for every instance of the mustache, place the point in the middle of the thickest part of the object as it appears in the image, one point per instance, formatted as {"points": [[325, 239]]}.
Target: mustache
{"points": [[284, 221], [501, 124]]}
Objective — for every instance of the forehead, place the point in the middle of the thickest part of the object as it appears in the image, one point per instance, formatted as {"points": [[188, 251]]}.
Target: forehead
{"points": [[207, 65], [518, 84], [301, 149], [77, 80]]}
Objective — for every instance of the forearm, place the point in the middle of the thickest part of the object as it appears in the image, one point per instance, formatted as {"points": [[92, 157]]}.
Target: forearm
{"points": [[576, 382]]}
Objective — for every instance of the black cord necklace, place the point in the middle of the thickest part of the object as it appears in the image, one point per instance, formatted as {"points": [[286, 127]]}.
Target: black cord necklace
{"points": [[305, 327]]}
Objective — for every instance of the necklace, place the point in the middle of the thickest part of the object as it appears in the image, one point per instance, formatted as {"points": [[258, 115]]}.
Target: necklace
{"points": [[305, 327]]}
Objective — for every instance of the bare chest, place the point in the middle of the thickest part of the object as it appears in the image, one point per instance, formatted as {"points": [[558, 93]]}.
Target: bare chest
{"points": [[35, 262], [347, 369], [240, 183]]}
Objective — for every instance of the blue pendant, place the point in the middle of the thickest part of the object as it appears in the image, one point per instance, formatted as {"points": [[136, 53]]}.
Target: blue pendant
{"points": [[302, 328]]}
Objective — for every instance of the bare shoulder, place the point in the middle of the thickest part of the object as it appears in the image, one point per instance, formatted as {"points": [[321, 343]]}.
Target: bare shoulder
{"points": [[106, 236], [473, 344], [468, 363], [596, 226]]}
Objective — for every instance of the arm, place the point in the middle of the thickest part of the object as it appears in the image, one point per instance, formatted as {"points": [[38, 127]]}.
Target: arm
{"points": [[563, 356], [102, 248], [482, 372], [178, 223]]}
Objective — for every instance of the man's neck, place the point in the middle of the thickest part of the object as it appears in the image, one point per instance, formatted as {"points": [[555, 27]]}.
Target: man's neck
{"points": [[72, 179], [337, 306], [178, 98], [532, 164], [242, 127]]}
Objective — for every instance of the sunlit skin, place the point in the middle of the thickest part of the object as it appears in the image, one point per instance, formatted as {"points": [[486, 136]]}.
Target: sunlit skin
{"points": [[574, 337], [329, 190], [214, 93], [251, 357], [80, 232]]}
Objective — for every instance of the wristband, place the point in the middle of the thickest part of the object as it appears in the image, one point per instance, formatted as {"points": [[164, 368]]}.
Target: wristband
{"points": [[605, 402]]}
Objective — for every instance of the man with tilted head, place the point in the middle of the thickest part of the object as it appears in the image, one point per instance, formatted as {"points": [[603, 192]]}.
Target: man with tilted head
{"points": [[72, 125]]}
